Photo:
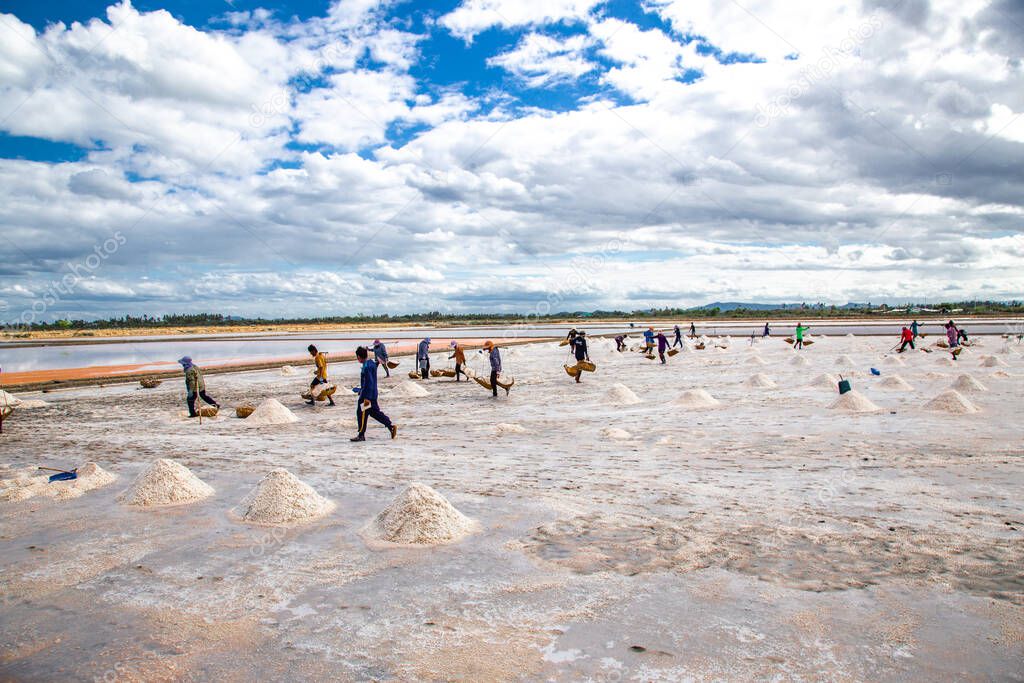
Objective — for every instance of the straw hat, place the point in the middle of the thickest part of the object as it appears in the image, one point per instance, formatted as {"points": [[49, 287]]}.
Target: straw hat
{"points": [[488, 344]]}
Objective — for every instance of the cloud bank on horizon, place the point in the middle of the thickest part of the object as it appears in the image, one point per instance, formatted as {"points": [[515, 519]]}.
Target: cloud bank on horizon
{"points": [[507, 155]]}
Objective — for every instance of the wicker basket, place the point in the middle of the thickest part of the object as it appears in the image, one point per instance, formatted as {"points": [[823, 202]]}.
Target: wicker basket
{"points": [[244, 411], [208, 411], [699, 347], [392, 364], [570, 370], [150, 383], [942, 344], [673, 352], [445, 372], [484, 383], [414, 375], [586, 366]]}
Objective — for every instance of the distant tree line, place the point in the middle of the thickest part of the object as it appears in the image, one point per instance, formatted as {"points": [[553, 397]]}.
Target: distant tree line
{"points": [[729, 312]]}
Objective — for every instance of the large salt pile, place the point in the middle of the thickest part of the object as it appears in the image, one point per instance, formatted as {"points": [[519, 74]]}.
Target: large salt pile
{"points": [[993, 362], [800, 362], [30, 482], [165, 482], [509, 428], [824, 381], [759, 381], [281, 499], [895, 382], [621, 395], [967, 383], [696, 398], [271, 412], [951, 401], [408, 389], [854, 402], [845, 361], [419, 516], [616, 433], [755, 360], [28, 404], [7, 399], [287, 370]]}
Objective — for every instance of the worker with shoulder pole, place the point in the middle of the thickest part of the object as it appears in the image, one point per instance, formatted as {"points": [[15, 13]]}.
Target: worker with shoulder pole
{"points": [[580, 351], [380, 354], [662, 345], [648, 339], [423, 358], [800, 329], [320, 360], [459, 355], [366, 405], [195, 385], [494, 357], [678, 341]]}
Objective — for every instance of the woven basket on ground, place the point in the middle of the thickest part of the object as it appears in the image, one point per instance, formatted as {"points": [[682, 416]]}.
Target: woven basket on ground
{"points": [[414, 375], [244, 411], [208, 411], [150, 383]]}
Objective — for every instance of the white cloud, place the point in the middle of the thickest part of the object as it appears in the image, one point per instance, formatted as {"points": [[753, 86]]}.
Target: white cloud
{"points": [[476, 16], [541, 60]]}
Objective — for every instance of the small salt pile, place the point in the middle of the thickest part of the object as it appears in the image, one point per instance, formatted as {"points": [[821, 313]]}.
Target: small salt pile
{"points": [[759, 381], [951, 401], [615, 433], [621, 395], [696, 398], [509, 428], [419, 516], [993, 362], [967, 383], [165, 482], [893, 360], [29, 404], [281, 499], [755, 360], [895, 382], [845, 361], [854, 402], [408, 389], [287, 370], [824, 381], [271, 412], [800, 362], [7, 399], [29, 483]]}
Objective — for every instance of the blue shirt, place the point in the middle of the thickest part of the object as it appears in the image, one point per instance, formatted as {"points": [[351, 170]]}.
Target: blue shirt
{"points": [[368, 381], [380, 352], [495, 358], [649, 336], [423, 351]]}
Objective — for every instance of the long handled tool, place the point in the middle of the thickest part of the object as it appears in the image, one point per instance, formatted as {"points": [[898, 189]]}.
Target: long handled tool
{"points": [[62, 475]]}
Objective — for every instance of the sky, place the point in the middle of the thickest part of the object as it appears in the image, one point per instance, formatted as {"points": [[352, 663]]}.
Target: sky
{"points": [[314, 158]]}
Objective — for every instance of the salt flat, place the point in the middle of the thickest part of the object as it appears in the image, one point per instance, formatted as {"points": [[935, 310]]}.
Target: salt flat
{"points": [[767, 537]]}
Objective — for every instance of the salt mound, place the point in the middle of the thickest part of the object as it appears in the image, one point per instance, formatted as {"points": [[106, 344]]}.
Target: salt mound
{"points": [[287, 370], [31, 482], [851, 335], [7, 399], [1000, 374], [800, 361], [845, 361], [993, 362], [967, 383], [32, 403], [281, 499], [615, 433], [419, 516], [760, 381], [755, 360], [951, 401], [946, 361], [271, 412], [509, 428], [893, 360], [165, 482], [696, 398], [895, 382], [408, 389], [621, 395], [854, 402], [824, 381]]}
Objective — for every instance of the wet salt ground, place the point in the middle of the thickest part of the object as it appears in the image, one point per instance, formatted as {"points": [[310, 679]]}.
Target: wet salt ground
{"points": [[758, 544]]}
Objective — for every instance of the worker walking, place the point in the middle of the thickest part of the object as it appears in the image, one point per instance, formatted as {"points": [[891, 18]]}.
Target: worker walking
{"points": [[580, 351], [195, 386], [423, 358], [767, 331], [906, 337], [662, 346], [366, 404], [693, 330], [678, 341], [649, 339], [494, 356], [914, 328], [800, 329], [380, 354], [459, 354], [320, 360]]}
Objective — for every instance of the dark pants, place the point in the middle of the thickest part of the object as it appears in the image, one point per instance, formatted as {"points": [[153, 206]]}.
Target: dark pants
{"points": [[458, 371], [425, 368], [904, 345], [192, 402], [678, 341], [620, 345], [661, 355], [374, 411], [383, 362], [799, 344], [494, 382]]}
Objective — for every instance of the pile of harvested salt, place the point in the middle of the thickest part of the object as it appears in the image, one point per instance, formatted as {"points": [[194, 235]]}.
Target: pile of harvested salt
{"points": [[967, 383], [951, 401], [271, 412], [287, 370], [824, 381], [621, 395], [696, 398], [30, 403], [755, 360], [165, 482], [509, 428], [1000, 374], [281, 499], [7, 399], [419, 516], [759, 381], [895, 382], [845, 361], [409, 389], [800, 361], [615, 433], [29, 483], [854, 402], [893, 360], [994, 362]]}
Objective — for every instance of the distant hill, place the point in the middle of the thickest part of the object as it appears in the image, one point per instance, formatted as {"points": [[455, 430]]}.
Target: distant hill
{"points": [[733, 305]]}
